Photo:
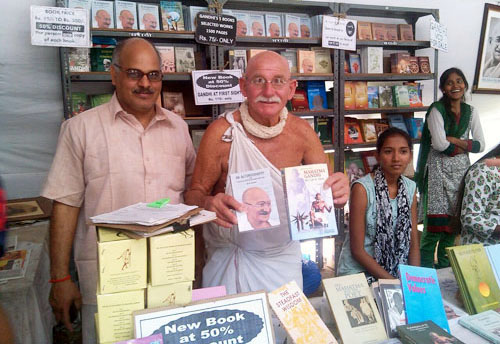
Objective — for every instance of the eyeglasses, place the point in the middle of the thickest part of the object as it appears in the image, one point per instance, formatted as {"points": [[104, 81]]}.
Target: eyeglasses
{"points": [[136, 74], [261, 204], [276, 83]]}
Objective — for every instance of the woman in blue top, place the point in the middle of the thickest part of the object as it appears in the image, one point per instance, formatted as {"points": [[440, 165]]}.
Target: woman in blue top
{"points": [[383, 214]]}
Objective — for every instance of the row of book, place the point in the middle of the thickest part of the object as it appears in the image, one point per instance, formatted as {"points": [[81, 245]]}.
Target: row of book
{"points": [[384, 32], [372, 60], [311, 95], [130, 15], [253, 23], [358, 95], [180, 59]]}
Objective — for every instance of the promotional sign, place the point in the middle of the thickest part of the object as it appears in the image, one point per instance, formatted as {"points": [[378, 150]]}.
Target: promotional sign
{"points": [[242, 318], [339, 33], [217, 87], [439, 36], [60, 27], [213, 29]]}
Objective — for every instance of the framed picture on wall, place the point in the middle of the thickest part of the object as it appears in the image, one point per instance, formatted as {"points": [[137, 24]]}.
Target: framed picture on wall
{"points": [[487, 77]]}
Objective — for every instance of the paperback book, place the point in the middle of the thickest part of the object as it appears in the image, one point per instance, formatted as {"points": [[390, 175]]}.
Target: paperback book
{"points": [[103, 14], [393, 310], [305, 61], [485, 324], [292, 25], [79, 59], [238, 60], [298, 316], [148, 17], [425, 332], [493, 252], [421, 287], [172, 18], [78, 103], [364, 30], [316, 95], [184, 59], [323, 128], [242, 23], [397, 120], [126, 15], [352, 131], [305, 27], [174, 101], [257, 25], [323, 61], [167, 56], [354, 63], [273, 25], [373, 102], [13, 264], [254, 189], [354, 309], [475, 277], [309, 206], [354, 166], [385, 96], [291, 57], [361, 94]]}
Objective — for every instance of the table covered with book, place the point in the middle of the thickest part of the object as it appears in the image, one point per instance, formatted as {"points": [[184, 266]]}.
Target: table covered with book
{"points": [[24, 283]]}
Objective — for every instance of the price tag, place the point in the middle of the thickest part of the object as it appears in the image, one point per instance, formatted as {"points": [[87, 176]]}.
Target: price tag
{"points": [[339, 33], [60, 27], [439, 36], [215, 87], [213, 29]]}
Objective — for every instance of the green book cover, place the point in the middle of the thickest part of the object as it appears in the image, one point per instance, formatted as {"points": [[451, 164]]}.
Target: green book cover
{"points": [[78, 103], [100, 59], [323, 128], [478, 277], [401, 96], [99, 99], [425, 332]]}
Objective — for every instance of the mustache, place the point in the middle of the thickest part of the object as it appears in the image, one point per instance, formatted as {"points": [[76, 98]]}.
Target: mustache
{"points": [[143, 90], [263, 212], [273, 99]]}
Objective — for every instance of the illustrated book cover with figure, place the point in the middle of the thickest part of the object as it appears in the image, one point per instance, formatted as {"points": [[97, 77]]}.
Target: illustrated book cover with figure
{"points": [[174, 101], [298, 316], [421, 287], [254, 189], [425, 332], [167, 55], [353, 166], [309, 207], [172, 18], [184, 59], [354, 309], [475, 277]]}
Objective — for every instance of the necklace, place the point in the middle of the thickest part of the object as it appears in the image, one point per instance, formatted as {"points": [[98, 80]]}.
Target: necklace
{"points": [[259, 130]]}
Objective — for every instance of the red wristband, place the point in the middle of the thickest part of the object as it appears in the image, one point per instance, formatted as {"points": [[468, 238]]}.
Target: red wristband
{"points": [[57, 280]]}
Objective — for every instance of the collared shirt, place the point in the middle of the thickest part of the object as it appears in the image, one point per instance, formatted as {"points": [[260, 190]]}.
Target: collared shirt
{"points": [[106, 160]]}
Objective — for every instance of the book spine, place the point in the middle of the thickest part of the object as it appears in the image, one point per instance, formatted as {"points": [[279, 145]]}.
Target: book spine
{"points": [[287, 206], [478, 331]]}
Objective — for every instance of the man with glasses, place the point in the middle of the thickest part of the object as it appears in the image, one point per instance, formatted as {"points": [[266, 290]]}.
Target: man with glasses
{"points": [[125, 151], [260, 134], [258, 208]]}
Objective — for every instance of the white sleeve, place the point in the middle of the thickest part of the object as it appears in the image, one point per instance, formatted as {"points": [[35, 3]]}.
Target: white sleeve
{"points": [[435, 124], [476, 129]]}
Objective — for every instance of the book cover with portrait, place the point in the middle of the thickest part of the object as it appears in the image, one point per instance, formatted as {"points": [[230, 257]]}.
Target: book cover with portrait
{"points": [[254, 189], [103, 14], [274, 27], [126, 15], [148, 17], [309, 206]]}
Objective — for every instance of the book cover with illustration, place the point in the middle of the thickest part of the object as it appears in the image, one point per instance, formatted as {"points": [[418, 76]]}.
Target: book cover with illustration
{"points": [[485, 324], [421, 287], [316, 95], [309, 206], [184, 59], [78, 103], [475, 277], [323, 60], [254, 189], [354, 309], [323, 127], [126, 15], [392, 310], [298, 316], [167, 55], [373, 101], [353, 166], [148, 17], [172, 18], [291, 57], [385, 97], [425, 332]]}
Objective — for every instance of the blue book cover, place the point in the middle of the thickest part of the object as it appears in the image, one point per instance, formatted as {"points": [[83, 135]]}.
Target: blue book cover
{"points": [[373, 97], [397, 121], [493, 252], [420, 288], [414, 126], [316, 95]]}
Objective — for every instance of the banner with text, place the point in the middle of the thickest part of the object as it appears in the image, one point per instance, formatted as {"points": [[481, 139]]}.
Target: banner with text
{"points": [[60, 27]]}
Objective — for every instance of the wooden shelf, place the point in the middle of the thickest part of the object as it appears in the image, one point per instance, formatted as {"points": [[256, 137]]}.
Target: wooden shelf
{"points": [[388, 77], [106, 76]]}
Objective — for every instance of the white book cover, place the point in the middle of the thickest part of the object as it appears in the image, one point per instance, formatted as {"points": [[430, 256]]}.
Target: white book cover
{"points": [[257, 25], [273, 25], [126, 15], [193, 11], [292, 25], [149, 18], [305, 27], [184, 59], [103, 14], [372, 60], [309, 207], [254, 189], [85, 4], [242, 23]]}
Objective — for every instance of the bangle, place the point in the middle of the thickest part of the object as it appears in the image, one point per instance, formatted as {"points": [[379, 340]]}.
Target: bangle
{"points": [[57, 280]]}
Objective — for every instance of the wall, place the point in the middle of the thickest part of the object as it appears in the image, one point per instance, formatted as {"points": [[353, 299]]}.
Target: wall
{"points": [[30, 89]]}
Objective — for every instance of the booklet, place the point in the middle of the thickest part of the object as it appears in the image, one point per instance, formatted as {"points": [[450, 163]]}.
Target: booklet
{"points": [[13, 264], [254, 189]]}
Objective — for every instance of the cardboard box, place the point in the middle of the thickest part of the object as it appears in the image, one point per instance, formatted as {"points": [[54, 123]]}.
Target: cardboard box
{"points": [[122, 262], [114, 320], [171, 258], [169, 294]]}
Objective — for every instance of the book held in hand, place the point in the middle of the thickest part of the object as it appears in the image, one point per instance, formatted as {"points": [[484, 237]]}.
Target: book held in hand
{"points": [[309, 206], [298, 316], [254, 189], [354, 309]]}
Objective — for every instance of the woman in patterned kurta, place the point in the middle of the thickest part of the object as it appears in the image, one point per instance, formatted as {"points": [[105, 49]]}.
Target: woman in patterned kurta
{"points": [[442, 164], [481, 201]]}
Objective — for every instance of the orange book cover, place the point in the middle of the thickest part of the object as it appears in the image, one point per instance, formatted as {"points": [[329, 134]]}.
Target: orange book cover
{"points": [[352, 131], [391, 32], [379, 31], [405, 32], [361, 95], [365, 30], [349, 95]]}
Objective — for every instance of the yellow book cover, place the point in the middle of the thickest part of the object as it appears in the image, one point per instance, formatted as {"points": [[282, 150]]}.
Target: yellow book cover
{"points": [[298, 316], [114, 320], [122, 262], [169, 294], [306, 61], [171, 258], [354, 309]]}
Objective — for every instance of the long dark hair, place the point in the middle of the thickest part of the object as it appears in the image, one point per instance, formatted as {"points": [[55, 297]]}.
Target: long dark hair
{"points": [[390, 132], [442, 81]]}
